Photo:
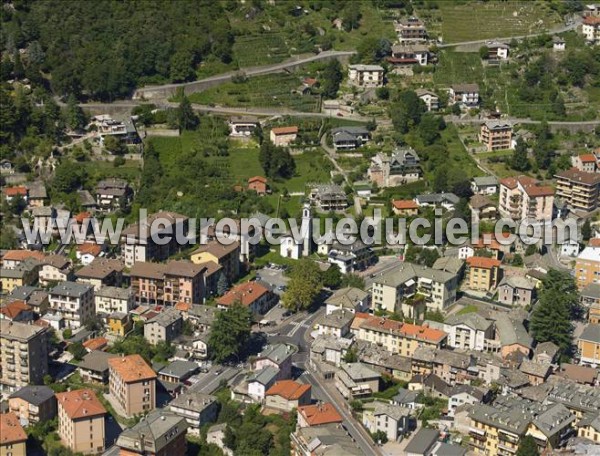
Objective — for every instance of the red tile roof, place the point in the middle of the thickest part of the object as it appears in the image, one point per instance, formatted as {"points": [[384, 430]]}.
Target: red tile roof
{"points": [[97, 343], [257, 178], [89, 248], [587, 158], [288, 389], [246, 293], [318, 414], [285, 130], [131, 368], [13, 309], [591, 20], [81, 403], [14, 191], [11, 431], [22, 255], [483, 262], [594, 242], [404, 204], [79, 218], [421, 332]]}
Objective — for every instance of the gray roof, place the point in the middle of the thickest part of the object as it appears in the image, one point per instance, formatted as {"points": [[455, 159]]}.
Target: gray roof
{"points": [[277, 352], [408, 271], [393, 411], [405, 396], [154, 431], [437, 198], [71, 289], [86, 198], [336, 319], [193, 399], [591, 291], [452, 265], [548, 348], [329, 440], [590, 419], [472, 319], [517, 281], [96, 361], [422, 441], [359, 371], [264, 376], [353, 131], [179, 369], [165, 318], [37, 189], [114, 292], [537, 369], [203, 314], [449, 449], [14, 330], [512, 415], [34, 394], [512, 332], [23, 292], [591, 333], [554, 420], [485, 181], [361, 67], [347, 298]]}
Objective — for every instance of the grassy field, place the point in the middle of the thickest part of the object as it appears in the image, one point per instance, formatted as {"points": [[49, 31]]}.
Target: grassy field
{"points": [[272, 90], [98, 170], [260, 49], [458, 68], [469, 21]]}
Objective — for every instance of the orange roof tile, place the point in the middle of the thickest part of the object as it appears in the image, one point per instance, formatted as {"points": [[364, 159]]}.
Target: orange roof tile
{"points": [[81, 403], [97, 343], [257, 178], [285, 130], [89, 248], [483, 262], [79, 218], [13, 309], [318, 414], [421, 332], [587, 158], [359, 317], [288, 389], [11, 430], [131, 368], [22, 255], [404, 204], [594, 242], [246, 293], [14, 191], [183, 306], [591, 20]]}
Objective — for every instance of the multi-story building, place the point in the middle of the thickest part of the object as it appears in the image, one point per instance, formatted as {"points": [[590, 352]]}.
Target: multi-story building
{"points": [[81, 421], [523, 197], [467, 94], [242, 126], [278, 356], [137, 243], [348, 138], [579, 189], [469, 332], [24, 274], [253, 295], [410, 30], [590, 300], [164, 327], [328, 197], [74, 302], [23, 354], [33, 404], [102, 272], [356, 380], [591, 29], [13, 439], [483, 273], [588, 345], [318, 415], [589, 427], [496, 135], [113, 299], [167, 284], [408, 285], [55, 268], [588, 163], [402, 166], [160, 433], [516, 291], [409, 54], [399, 337], [196, 408], [365, 75], [132, 382], [587, 267], [286, 395], [393, 420], [324, 439], [431, 99], [351, 258], [113, 194], [225, 255]]}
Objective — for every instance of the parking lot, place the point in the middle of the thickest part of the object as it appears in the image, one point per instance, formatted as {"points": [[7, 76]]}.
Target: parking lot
{"points": [[274, 276]]}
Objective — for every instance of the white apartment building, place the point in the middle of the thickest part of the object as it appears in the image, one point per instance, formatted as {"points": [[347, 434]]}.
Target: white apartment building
{"points": [[74, 302], [365, 75], [469, 332], [114, 299]]}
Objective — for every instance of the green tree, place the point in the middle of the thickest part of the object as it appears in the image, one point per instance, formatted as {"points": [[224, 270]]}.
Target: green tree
{"points": [[332, 278], [114, 145], [430, 127], [182, 66], [75, 118], [351, 356], [276, 161], [351, 17], [484, 52], [586, 230], [406, 111], [353, 280], [230, 332], [517, 260], [527, 447], [186, 117], [519, 161], [383, 93], [68, 177], [77, 350], [379, 437], [304, 285], [331, 79]]}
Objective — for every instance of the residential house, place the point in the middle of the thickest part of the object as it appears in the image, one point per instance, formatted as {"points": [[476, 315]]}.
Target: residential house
{"points": [[351, 258], [431, 99], [579, 189], [81, 421], [465, 394], [570, 248], [558, 43], [88, 252], [483, 273], [286, 395], [348, 298], [591, 29], [283, 136], [13, 439], [102, 272], [484, 185], [552, 427], [348, 138], [38, 196], [93, 368], [225, 255], [402, 166], [258, 184], [410, 30], [119, 324], [13, 258], [260, 381], [496, 135], [469, 331], [112, 194], [589, 427], [409, 54], [328, 197], [159, 433], [253, 295], [55, 268], [318, 415], [73, 301], [356, 380], [44, 217], [196, 407], [33, 404], [446, 200], [497, 50], [587, 163], [514, 339], [123, 130], [325, 439], [26, 273], [405, 208], [168, 283], [164, 327], [365, 75], [24, 357], [483, 208], [329, 349], [587, 267], [590, 300], [422, 443], [523, 197], [537, 373], [137, 243], [336, 323], [242, 126], [17, 311], [112, 299], [466, 94], [178, 371], [546, 353], [201, 316], [516, 291], [11, 193], [132, 383], [393, 420], [588, 345], [278, 356]]}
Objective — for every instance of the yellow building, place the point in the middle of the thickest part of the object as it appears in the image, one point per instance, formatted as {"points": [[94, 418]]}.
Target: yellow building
{"points": [[226, 256], [589, 344], [483, 273], [26, 273], [13, 440], [587, 267], [119, 323], [589, 427]]}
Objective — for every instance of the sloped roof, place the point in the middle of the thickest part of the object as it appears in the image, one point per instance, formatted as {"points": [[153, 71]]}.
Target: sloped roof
{"points": [[81, 403]]}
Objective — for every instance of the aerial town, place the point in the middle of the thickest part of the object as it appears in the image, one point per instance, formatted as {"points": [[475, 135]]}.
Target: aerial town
{"points": [[125, 124]]}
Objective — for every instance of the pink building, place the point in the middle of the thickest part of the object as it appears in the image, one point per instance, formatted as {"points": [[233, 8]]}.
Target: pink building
{"points": [[523, 197], [278, 356]]}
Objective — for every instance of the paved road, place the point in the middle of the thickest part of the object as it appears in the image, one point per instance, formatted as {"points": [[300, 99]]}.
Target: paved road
{"points": [[152, 91], [211, 381], [518, 120], [332, 155]]}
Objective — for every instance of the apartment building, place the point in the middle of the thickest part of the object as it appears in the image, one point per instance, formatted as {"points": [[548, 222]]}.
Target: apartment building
{"points": [[196, 408], [26, 273], [591, 29], [523, 197], [33, 404], [588, 345], [587, 267], [365, 75], [516, 291], [102, 272], [278, 356], [167, 284], [74, 302], [411, 30], [466, 94], [287, 395], [132, 382], [225, 255], [23, 354], [161, 433], [55, 268], [164, 327], [483, 274], [409, 54], [325, 439], [399, 337], [402, 166], [579, 189], [398, 290], [431, 99], [590, 300], [318, 415], [356, 380], [469, 332], [113, 299], [13, 439], [253, 295], [589, 427], [496, 135], [137, 243], [81, 421]]}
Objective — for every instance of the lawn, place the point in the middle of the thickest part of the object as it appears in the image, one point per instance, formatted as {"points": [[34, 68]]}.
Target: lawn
{"points": [[311, 166], [468, 21], [271, 90], [458, 68]]}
